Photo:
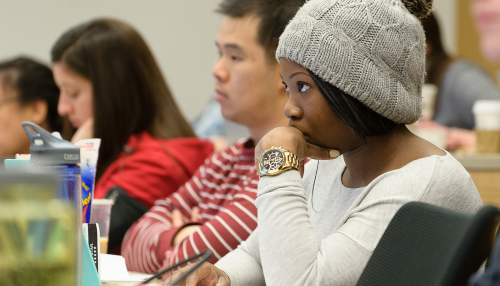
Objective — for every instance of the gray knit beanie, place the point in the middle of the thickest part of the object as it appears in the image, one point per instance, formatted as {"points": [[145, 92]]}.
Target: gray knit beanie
{"points": [[373, 50]]}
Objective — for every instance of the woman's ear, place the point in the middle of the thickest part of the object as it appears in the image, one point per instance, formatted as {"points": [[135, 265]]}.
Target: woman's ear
{"points": [[38, 111]]}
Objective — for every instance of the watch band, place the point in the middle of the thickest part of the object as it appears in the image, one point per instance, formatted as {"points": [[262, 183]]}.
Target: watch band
{"points": [[277, 160]]}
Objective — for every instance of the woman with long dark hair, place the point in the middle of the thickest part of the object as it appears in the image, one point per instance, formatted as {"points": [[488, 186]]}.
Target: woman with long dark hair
{"points": [[353, 72], [112, 88]]}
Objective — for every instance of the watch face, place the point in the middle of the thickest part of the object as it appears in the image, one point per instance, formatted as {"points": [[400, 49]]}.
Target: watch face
{"points": [[271, 162]]}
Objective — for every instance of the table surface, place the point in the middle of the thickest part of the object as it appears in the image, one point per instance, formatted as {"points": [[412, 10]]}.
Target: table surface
{"points": [[129, 283], [132, 274]]}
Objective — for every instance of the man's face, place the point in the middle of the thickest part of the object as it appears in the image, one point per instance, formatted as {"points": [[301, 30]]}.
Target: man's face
{"points": [[486, 14], [248, 83]]}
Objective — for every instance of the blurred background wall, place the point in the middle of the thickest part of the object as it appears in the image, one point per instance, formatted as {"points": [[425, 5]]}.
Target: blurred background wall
{"points": [[468, 39], [181, 35]]}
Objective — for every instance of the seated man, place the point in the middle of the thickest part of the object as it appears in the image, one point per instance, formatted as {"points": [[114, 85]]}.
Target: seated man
{"points": [[215, 209]]}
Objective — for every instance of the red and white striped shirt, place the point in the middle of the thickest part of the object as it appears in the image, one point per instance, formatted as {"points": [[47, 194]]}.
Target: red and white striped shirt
{"points": [[224, 188]]}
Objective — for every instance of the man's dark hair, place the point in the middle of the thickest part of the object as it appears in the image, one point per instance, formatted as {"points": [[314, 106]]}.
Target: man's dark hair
{"points": [[274, 16], [33, 81], [363, 121]]}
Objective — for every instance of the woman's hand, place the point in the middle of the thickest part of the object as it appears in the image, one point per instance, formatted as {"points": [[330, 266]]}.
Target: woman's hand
{"points": [[206, 275], [85, 131], [291, 139]]}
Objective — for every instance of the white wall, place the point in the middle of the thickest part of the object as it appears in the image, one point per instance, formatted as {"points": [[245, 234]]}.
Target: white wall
{"points": [[446, 12], [181, 35]]}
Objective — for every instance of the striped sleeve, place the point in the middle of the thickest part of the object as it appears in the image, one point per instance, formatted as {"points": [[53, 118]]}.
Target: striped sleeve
{"points": [[142, 242], [221, 234]]}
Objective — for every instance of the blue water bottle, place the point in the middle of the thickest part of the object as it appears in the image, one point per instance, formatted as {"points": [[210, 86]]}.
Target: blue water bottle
{"points": [[57, 155]]}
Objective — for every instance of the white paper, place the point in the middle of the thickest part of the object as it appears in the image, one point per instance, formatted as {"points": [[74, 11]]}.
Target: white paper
{"points": [[113, 269]]}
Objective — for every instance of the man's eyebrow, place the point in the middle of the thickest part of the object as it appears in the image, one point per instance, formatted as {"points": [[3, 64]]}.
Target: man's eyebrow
{"points": [[230, 46], [297, 73], [233, 47]]}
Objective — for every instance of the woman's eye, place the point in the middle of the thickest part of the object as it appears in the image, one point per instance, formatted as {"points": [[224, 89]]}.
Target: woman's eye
{"points": [[303, 87], [286, 87], [72, 95], [235, 58]]}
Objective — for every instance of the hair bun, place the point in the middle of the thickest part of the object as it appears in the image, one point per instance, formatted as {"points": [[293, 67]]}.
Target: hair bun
{"points": [[419, 8]]}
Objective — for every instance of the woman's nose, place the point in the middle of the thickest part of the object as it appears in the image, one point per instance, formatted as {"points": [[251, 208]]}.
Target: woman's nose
{"points": [[63, 106], [292, 110]]}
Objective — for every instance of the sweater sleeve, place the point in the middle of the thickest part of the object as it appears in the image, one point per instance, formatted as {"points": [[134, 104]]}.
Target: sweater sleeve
{"points": [[242, 265], [148, 246]]}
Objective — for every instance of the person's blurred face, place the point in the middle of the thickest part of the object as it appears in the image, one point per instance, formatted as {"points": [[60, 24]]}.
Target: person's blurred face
{"points": [[486, 14], [76, 98], [13, 139], [248, 83]]}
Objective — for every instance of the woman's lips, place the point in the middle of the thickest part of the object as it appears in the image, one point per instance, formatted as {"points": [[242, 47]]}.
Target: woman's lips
{"points": [[75, 124]]}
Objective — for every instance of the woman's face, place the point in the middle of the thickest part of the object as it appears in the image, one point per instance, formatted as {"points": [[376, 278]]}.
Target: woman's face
{"points": [[75, 100], [13, 139], [309, 112]]}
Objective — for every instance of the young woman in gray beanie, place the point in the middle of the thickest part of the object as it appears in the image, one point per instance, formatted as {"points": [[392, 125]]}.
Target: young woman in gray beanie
{"points": [[353, 70]]}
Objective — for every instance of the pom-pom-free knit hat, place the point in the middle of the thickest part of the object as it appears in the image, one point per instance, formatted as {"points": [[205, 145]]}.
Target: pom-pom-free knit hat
{"points": [[373, 50]]}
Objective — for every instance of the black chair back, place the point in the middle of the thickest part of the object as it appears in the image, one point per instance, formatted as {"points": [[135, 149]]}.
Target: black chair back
{"points": [[426, 245], [488, 262]]}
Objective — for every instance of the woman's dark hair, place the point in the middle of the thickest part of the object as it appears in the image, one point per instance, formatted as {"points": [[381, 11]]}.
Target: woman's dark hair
{"points": [[437, 60], [33, 81], [274, 15], [363, 121], [130, 94]]}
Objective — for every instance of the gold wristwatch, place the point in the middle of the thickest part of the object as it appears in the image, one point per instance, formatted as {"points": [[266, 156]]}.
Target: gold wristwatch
{"points": [[277, 160]]}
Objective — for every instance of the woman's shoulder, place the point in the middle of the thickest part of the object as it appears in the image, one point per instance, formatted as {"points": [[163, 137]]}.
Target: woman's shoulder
{"points": [[435, 179], [430, 168], [146, 149], [146, 142]]}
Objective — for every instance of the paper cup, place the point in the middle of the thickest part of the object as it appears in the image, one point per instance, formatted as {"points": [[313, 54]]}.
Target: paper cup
{"points": [[487, 126], [101, 213], [429, 93]]}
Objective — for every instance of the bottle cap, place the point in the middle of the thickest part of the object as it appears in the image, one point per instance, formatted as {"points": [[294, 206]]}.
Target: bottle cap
{"points": [[47, 149]]}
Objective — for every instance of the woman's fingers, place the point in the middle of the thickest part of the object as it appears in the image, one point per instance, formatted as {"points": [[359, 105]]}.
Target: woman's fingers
{"points": [[178, 274], [320, 153], [207, 274], [177, 220], [85, 131], [194, 214]]}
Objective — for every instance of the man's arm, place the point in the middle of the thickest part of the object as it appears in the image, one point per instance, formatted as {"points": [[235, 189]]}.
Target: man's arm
{"points": [[231, 226], [149, 244], [158, 220]]}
